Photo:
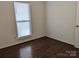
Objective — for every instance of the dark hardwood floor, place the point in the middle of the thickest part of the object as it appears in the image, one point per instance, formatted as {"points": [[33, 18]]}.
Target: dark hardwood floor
{"points": [[41, 48]]}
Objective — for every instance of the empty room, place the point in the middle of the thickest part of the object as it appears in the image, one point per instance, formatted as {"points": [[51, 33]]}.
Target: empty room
{"points": [[39, 29]]}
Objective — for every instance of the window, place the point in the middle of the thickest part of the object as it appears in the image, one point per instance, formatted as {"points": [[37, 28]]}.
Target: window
{"points": [[23, 19]]}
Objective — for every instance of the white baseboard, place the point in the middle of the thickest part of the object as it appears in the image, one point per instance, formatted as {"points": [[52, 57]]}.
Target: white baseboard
{"points": [[26, 40], [61, 40], [33, 38], [76, 45]]}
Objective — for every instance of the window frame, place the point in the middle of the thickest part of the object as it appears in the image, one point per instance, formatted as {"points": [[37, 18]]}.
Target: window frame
{"points": [[30, 21]]}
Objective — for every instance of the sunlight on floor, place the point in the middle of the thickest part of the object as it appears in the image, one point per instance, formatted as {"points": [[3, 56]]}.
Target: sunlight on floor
{"points": [[26, 52]]}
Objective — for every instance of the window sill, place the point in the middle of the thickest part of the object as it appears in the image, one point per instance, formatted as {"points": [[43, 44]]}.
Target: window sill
{"points": [[24, 37]]}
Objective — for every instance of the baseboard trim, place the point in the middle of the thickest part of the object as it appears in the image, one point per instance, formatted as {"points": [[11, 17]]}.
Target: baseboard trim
{"points": [[21, 42], [38, 38], [76, 45], [60, 40]]}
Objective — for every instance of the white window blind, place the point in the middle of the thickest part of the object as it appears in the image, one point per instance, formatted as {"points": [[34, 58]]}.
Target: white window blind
{"points": [[23, 19]]}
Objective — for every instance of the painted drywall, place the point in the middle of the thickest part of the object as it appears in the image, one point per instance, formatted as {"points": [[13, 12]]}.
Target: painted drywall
{"points": [[8, 27], [60, 21], [57, 20]]}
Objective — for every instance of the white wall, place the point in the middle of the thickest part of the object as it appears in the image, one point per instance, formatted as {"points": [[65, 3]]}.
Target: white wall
{"points": [[61, 18], [56, 21], [7, 23]]}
